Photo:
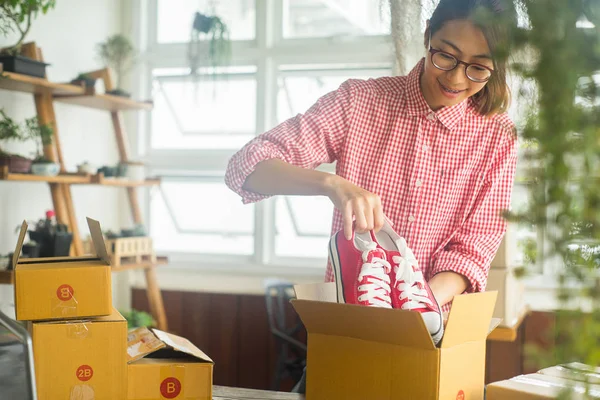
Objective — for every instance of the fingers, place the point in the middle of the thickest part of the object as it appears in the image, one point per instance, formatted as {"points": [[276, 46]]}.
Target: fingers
{"points": [[379, 217], [347, 214], [360, 213]]}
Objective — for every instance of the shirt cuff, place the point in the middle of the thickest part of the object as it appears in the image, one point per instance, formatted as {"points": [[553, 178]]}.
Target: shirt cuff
{"points": [[242, 164], [453, 261]]}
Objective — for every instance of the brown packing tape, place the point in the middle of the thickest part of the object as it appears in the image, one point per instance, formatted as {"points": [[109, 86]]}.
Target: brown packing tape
{"points": [[82, 392]]}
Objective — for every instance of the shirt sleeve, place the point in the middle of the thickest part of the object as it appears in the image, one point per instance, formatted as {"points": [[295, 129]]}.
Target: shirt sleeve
{"points": [[306, 140], [472, 248]]}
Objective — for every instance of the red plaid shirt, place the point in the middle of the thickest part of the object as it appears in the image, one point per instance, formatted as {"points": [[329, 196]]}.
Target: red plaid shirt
{"points": [[443, 177]]}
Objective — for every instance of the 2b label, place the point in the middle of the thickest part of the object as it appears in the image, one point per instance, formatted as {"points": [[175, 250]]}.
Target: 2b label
{"points": [[170, 388], [85, 373], [64, 292]]}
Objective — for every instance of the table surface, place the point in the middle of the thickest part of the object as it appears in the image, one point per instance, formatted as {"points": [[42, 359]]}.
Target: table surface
{"points": [[229, 393]]}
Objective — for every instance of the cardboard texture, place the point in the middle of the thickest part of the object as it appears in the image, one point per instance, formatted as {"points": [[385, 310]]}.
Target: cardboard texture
{"points": [[164, 366], [510, 305], [81, 359], [358, 352], [539, 387], [508, 254], [63, 287]]}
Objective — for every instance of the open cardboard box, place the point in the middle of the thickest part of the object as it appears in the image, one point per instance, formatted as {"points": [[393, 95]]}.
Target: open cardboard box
{"points": [[358, 352], [166, 366], [63, 287]]}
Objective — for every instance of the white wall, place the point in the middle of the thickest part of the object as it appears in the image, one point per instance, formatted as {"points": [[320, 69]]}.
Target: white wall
{"points": [[68, 36]]}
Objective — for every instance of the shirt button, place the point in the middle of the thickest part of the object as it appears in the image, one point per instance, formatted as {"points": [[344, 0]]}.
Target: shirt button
{"points": [[411, 218], [418, 183]]}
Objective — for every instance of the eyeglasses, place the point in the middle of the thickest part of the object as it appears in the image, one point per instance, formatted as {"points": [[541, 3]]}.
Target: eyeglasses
{"points": [[447, 62]]}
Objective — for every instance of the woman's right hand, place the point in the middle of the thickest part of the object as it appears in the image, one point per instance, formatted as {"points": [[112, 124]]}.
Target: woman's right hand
{"points": [[356, 204]]}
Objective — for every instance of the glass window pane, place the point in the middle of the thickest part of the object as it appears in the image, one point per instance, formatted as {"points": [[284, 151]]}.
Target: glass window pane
{"points": [[303, 226], [175, 18], [200, 217], [319, 18], [299, 90], [192, 114]]}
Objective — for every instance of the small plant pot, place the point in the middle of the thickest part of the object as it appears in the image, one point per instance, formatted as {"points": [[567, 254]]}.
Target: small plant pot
{"points": [[23, 65], [88, 84], [45, 169], [16, 164], [119, 92]]}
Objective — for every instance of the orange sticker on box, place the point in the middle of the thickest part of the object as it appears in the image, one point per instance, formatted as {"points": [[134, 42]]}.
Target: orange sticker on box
{"points": [[460, 395], [170, 388], [65, 292], [85, 373]]}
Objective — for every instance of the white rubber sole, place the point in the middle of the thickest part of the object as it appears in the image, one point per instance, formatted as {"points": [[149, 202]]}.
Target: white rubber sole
{"points": [[337, 268]]}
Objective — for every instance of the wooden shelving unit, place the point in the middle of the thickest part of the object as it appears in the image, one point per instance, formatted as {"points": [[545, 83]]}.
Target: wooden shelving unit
{"points": [[45, 94], [103, 102]]}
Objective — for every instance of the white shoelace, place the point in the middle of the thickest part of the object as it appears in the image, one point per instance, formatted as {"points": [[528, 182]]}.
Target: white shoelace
{"points": [[377, 289], [409, 282]]}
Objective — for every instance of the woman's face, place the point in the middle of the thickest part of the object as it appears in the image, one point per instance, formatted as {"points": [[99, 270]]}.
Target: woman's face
{"points": [[467, 43]]}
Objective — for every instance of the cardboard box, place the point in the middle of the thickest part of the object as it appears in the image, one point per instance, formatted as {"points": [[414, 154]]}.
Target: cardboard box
{"points": [[81, 359], [510, 305], [63, 287], [358, 352], [165, 366], [538, 387]]}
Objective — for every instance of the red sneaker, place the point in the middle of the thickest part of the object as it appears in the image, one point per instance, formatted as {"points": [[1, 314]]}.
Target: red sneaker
{"points": [[361, 270], [410, 291]]}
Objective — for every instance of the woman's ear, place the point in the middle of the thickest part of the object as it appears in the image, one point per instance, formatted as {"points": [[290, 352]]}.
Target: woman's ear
{"points": [[426, 36]]}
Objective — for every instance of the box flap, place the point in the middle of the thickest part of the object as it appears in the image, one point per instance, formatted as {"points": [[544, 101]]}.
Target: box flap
{"points": [[469, 318], [17, 252], [115, 316], [98, 240], [397, 327], [494, 323], [140, 343], [317, 291], [181, 344]]}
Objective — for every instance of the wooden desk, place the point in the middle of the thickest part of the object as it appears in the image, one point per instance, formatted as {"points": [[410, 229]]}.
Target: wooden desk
{"points": [[229, 393]]}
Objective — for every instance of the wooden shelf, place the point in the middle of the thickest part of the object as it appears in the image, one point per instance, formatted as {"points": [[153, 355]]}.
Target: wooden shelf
{"points": [[63, 178], [32, 84], [145, 265], [504, 334], [99, 179], [103, 101], [6, 277]]}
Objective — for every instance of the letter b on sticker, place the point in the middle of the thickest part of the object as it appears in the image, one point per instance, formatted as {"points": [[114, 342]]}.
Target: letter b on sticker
{"points": [[170, 388], [64, 292]]}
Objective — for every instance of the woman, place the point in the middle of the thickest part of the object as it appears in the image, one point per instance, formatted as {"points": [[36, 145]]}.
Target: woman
{"points": [[434, 150]]}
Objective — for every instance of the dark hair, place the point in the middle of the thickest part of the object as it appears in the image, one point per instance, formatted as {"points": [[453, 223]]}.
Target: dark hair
{"points": [[496, 19]]}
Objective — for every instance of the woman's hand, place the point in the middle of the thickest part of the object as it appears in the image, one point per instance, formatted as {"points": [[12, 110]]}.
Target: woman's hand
{"points": [[355, 203]]}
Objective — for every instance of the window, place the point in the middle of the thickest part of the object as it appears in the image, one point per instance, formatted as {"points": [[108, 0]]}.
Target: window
{"points": [[282, 61]]}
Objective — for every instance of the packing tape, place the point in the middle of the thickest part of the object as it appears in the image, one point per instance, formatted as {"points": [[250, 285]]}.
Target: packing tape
{"points": [[82, 392], [77, 330], [172, 381], [63, 303]]}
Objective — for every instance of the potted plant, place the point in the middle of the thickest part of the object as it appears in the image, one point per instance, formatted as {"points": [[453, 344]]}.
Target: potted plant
{"points": [[214, 30], [10, 131], [86, 81], [118, 53], [42, 136], [18, 15]]}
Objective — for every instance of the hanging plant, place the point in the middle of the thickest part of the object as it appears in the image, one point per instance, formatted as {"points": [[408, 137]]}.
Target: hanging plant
{"points": [[213, 32]]}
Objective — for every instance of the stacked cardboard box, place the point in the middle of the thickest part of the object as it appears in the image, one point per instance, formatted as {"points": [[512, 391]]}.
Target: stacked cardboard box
{"points": [[510, 306], [548, 383], [80, 342]]}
